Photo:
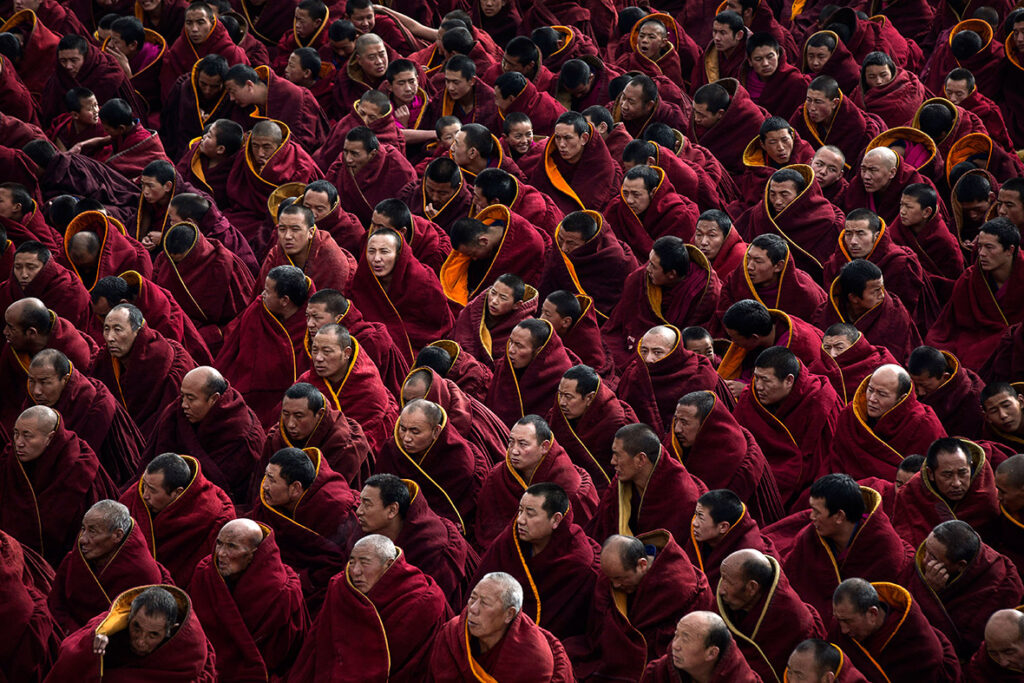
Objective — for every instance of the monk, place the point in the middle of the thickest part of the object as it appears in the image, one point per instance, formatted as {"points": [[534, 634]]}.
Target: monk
{"points": [[128, 145], [350, 381], [645, 100], [776, 146], [202, 212], [208, 162], [828, 164], [368, 171], [312, 511], [363, 70], [249, 602], [721, 245], [646, 585], [769, 74], [179, 512], [882, 176], [848, 535], [1002, 403], [202, 35], [465, 95], [702, 649], [175, 647], [676, 286], [34, 635], [373, 110], [960, 88], [110, 556], [574, 319], [883, 423], [495, 638], [63, 480], [978, 311], [952, 391], [647, 208], [722, 525], [96, 246], [573, 147], [274, 325], [887, 635], [430, 244], [722, 454], [301, 244], [725, 56], [140, 366], [195, 100], [381, 617], [1004, 533], [922, 228], [848, 357], [817, 659], [21, 216], [828, 117], [79, 64], [534, 361], [754, 592], [442, 196], [725, 119], [999, 657], [642, 466], [483, 327]]}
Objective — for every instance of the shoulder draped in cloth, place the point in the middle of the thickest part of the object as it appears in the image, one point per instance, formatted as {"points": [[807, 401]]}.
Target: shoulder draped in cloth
{"points": [[119, 253], [957, 401], [739, 124], [850, 129], [795, 293], [183, 53], [888, 324], [669, 213], [327, 264], [31, 635], [487, 343], [744, 533], [556, 178], [55, 286], [382, 177], [848, 370]]}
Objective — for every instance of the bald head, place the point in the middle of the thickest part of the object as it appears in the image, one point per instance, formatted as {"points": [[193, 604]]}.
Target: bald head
{"points": [[33, 431], [1004, 638], [694, 630], [236, 546], [878, 169], [41, 415], [624, 561], [657, 343], [1010, 485], [884, 156], [887, 386], [268, 129], [201, 389], [746, 574], [28, 325], [416, 385], [84, 248]]}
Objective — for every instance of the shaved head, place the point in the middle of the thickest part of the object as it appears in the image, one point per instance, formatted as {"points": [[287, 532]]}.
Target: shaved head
{"points": [[883, 155], [44, 417], [1004, 638]]}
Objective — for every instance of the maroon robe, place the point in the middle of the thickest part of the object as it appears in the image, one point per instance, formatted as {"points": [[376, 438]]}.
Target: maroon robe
{"points": [[257, 624], [739, 124], [964, 122], [38, 51], [182, 533], [888, 324], [669, 213], [983, 667], [131, 153], [183, 53], [743, 533], [885, 202], [383, 176], [118, 252], [850, 129], [487, 342], [957, 401], [794, 293], [184, 114], [851, 367], [1007, 361], [385, 128], [758, 169], [936, 248], [990, 115], [678, 60], [782, 94], [984, 64], [730, 668], [378, 345], [163, 314], [730, 256], [327, 265], [1012, 78], [31, 635], [542, 108], [55, 286], [583, 339], [897, 101], [556, 178], [266, 21], [458, 206], [195, 169], [467, 372], [32, 226]]}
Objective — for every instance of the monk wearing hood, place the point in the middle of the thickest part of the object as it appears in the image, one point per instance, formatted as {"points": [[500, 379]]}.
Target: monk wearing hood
{"points": [[953, 391]]}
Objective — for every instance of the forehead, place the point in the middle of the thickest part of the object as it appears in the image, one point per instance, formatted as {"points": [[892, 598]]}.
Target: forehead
{"points": [[326, 340], [525, 431], [379, 241], [709, 226], [946, 459], [782, 186], [488, 589], [262, 141], [364, 553]]}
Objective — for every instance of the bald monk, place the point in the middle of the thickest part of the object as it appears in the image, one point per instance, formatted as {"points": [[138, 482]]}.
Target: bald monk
{"points": [[702, 649], [428, 449], [887, 636], [494, 637], [262, 353], [300, 243], [753, 592], [95, 247], [955, 482], [174, 645], [179, 512], [140, 366], [483, 327], [828, 164], [848, 357], [978, 312], [662, 370], [49, 478], [706, 438], [828, 117], [848, 535], [110, 556], [953, 391], [882, 176], [311, 509], [584, 419], [1001, 656], [213, 424], [819, 660], [722, 525], [526, 379], [1007, 531], [33, 635], [30, 327], [881, 425], [648, 207], [646, 585], [380, 616], [959, 581], [36, 273], [308, 421], [676, 286], [348, 378], [643, 467], [249, 602], [368, 171]]}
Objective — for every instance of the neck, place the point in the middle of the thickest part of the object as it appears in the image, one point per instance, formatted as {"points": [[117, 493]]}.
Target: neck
{"points": [[538, 546], [1002, 274], [478, 164], [100, 563], [642, 478], [286, 314], [300, 258], [467, 101], [703, 674], [1016, 514], [393, 530], [842, 537], [489, 642], [337, 378]]}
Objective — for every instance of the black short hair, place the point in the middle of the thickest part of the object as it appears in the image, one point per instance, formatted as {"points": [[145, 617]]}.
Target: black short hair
{"points": [[748, 317], [759, 40], [961, 540], [586, 378], [861, 214], [242, 74], [961, 74], [972, 187], [826, 85], [304, 390], [117, 113], [10, 47], [876, 58], [645, 173], [73, 41], [73, 98], [924, 194], [660, 133], [639, 438], [719, 217], [460, 63], [580, 222], [436, 358], [515, 283], [772, 124], [822, 39], [946, 444], [773, 245], [364, 135], [935, 120], [36, 248], [20, 196], [840, 492], [291, 282], [912, 463], [927, 360], [465, 231], [695, 333], [555, 498], [515, 118], [309, 60], [510, 84], [295, 466], [723, 505], [540, 331], [180, 238], [1004, 230], [995, 388], [163, 171], [789, 175], [112, 288], [855, 276], [672, 253], [130, 29], [566, 304], [575, 119], [781, 360], [444, 170], [713, 96], [730, 19], [540, 426], [598, 113], [392, 490], [176, 471], [965, 44], [639, 151], [573, 73]]}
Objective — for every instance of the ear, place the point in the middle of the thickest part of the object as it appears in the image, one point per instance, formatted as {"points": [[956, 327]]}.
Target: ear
{"points": [[214, 398]]}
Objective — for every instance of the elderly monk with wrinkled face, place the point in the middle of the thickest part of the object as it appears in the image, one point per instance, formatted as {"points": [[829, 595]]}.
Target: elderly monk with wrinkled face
{"points": [[1001, 656]]}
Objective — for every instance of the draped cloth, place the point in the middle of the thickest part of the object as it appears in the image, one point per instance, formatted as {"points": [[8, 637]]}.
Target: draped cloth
{"points": [[850, 128], [119, 253], [55, 286], [327, 265], [848, 370], [163, 314], [30, 633], [183, 532], [556, 177], [897, 101], [795, 292], [669, 213], [743, 533], [382, 177], [957, 401], [375, 340], [183, 53], [99, 72], [887, 324], [486, 339]]}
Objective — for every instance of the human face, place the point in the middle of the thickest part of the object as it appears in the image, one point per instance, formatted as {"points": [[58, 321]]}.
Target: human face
{"points": [[405, 86], [626, 466], [153, 191], [96, 540], [329, 359], [305, 25], [816, 57], [318, 203], [210, 87], [317, 316], [147, 632], [1003, 411], [457, 85], [875, 174], [1018, 36], [262, 149], [686, 425], [117, 42], [704, 527], [688, 645], [956, 91], [952, 475], [818, 107], [882, 393], [991, 254], [374, 517], [500, 300], [702, 347], [734, 591], [194, 402], [343, 48], [26, 266], [415, 431], [438, 193], [520, 348], [363, 19], [27, 4], [198, 25], [657, 274], [208, 145], [381, 255], [16, 336], [365, 568], [569, 241], [1006, 649], [276, 491], [622, 579], [156, 497], [704, 118], [298, 419], [874, 294], [525, 451], [1009, 204], [769, 389], [369, 112], [1010, 497], [520, 137], [44, 385], [903, 478], [925, 385], [71, 61], [635, 195], [877, 76], [828, 167], [911, 213], [802, 668], [723, 37], [460, 151], [373, 60], [572, 403], [858, 238], [232, 552], [781, 195], [568, 143], [294, 72], [88, 111], [486, 616], [277, 305], [974, 212], [549, 312], [834, 345], [764, 61], [651, 40], [760, 267], [825, 523], [490, 8], [654, 347], [632, 105], [30, 439], [533, 525], [118, 333], [709, 239], [778, 145]]}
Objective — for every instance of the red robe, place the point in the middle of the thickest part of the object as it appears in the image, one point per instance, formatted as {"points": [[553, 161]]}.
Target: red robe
{"points": [[990, 115], [625, 632], [537, 208], [44, 505], [731, 255], [386, 128], [183, 53], [888, 324], [186, 656], [982, 667], [850, 129], [726, 456], [851, 367], [56, 286], [542, 108], [767, 649], [130, 153], [487, 343], [800, 337], [964, 123], [669, 213], [782, 94], [744, 533], [81, 590], [32, 226], [678, 59], [739, 124], [795, 292], [380, 348], [267, 21], [556, 178], [184, 113], [876, 553], [471, 375], [31, 635], [758, 168], [957, 401], [936, 248], [583, 339], [327, 265], [383, 634], [730, 668], [458, 206], [118, 252], [984, 64], [897, 101], [383, 176], [182, 533], [255, 626]]}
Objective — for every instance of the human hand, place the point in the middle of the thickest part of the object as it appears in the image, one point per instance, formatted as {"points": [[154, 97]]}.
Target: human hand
{"points": [[99, 644]]}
